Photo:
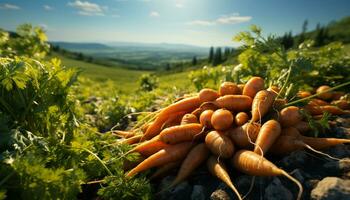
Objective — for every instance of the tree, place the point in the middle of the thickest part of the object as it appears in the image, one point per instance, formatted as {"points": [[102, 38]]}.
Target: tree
{"points": [[211, 54], [321, 36], [217, 56], [227, 53], [287, 40], [303, 31], [194, 60]]}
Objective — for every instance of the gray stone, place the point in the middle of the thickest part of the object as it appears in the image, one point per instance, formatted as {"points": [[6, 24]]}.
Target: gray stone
{"points": [[276, 191], [331, 188], [339, 151], [344, 122], [180, 192], [198, 193], [338, 167], [219, 194], [296, 159]]}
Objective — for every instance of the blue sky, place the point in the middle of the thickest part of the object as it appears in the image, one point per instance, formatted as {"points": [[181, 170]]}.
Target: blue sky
{"points": [[197, 22]]}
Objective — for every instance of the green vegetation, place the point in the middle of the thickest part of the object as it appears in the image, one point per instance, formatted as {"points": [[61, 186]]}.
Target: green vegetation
{"points": [[57, 114]]}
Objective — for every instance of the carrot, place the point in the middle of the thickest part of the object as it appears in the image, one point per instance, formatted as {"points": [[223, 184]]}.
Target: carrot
{"points": [[208, 95], [173, 119], [302, 126], [318, 102], [337, 95], [279, 103], [189, 119], [219, 144], [181, 133], [262, 103], [256, 165], [145, 127], [163, 170], [323, 143], [167, 155], [322, 94], [131, 140], [124, 134], [194, 159], [127, 164], [303, 94], [228, 88], [234, 102], [241, 87], [342, 104], [221, 119], [313, 110], [244, 136], [333, 110], [219, 170], [289, 116], [291, 131], [253, 86], [274, 90], [205, 118], [187, 105], [268, 134], [149, 147], [286, 144], [241, 118]]}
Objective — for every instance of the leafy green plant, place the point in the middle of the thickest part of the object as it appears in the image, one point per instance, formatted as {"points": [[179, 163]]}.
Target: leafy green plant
{"points": [[148, 82]]}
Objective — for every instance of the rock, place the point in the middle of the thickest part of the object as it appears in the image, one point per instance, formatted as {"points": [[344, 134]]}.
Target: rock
{"points": [[219, 195], [276, 191], [296, 159], [198, 193], [337, 167], [339, 151], [180, 192], [340, 132], [344, 122], [331, 188], [300, 175]]}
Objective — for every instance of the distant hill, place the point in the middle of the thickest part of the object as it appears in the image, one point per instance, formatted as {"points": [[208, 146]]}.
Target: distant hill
{"points": [[142, 56], [75, 46]]}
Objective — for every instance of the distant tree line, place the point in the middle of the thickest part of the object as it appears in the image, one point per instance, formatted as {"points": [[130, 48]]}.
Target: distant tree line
{"points": [[320, 36], [73, 55], [216, 56]]}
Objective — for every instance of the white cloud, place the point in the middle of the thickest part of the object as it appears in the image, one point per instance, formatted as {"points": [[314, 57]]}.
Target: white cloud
{"points": [[47, 7], [179, 5], [201, 23], [226, 19], [7, 6], [154, 14], [88, 9]]}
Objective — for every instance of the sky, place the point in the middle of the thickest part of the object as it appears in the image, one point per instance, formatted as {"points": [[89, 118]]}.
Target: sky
{"points": [[195, 22]]}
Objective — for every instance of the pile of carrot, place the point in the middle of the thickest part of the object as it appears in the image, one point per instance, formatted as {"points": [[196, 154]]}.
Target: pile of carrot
{"points": [[239, 123]]}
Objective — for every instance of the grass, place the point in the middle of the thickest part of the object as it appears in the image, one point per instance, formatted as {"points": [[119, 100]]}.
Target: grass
{"points": [[125, 80]]}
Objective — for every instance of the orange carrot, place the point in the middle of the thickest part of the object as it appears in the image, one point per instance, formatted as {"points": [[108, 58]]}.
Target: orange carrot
{"points": [[256, 165], [262, 103], [303, 94], [167, 155], [241, 118], [337, 95], [205, 118], [333, 110], [194, 159], [127, 164], [163, 170], [324, 95], [124, 134], [342, 104], [290, 116], [318, 102], [187, 105], [145, 127], [234, 102], [181, 133], [219, 144], [131, 140], [323, 143], [253, 86], [218, 169], [268, 134], [228, 88], [222, 119], [173, 119], [302, 126], [189, 119], [241, 87], [208, 95], [279, 104], [244, 136], [150, 147]]}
